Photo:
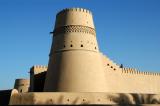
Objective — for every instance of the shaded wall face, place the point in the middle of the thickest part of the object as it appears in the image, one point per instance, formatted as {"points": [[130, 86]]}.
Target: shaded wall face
{"points": [[5, 97], [39, 80], [37, 77]]}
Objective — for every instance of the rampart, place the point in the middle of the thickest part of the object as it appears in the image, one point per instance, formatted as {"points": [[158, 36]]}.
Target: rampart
{"points": [[129, 80]]}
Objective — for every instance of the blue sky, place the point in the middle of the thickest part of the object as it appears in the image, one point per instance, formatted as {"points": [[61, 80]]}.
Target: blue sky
{"points": [[128, 31]]}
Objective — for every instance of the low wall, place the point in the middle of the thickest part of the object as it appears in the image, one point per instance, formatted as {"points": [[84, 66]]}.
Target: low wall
{"points": [[102, 98]]}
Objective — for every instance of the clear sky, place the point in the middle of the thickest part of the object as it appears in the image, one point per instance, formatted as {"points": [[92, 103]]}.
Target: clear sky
{"points": [[128, 31]]}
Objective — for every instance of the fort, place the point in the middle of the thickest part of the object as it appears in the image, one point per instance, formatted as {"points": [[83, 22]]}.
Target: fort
{"points": [[78, 73]]}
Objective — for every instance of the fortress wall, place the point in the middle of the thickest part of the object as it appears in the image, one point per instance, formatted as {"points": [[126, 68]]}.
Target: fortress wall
{"points": [[128, 80]]}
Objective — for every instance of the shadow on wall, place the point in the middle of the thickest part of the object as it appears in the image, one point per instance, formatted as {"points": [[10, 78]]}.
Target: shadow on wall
{"points": [[5, 97], [125, 99], [39, 81]]}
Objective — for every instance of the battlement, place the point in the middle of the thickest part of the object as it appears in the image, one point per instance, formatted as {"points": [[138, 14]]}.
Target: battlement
{"points": [[74, 16], [74, 9], [135, 71], [38, 69], [108, 63]]}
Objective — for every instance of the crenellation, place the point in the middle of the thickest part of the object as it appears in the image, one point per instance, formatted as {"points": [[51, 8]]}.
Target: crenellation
{"points": [[39, 67], [75, 10], [137, 72], [80, 9], [36, 69]]}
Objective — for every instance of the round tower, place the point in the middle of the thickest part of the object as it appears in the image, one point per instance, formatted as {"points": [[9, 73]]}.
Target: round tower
{"points": [[22, 85], [75, 64]]}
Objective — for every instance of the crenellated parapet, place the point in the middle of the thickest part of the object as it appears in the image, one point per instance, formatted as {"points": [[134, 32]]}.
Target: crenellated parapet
{"points": [[109, 64], [129, 70], [36, 69], [74, 16], [75, 10], [137, 72]]}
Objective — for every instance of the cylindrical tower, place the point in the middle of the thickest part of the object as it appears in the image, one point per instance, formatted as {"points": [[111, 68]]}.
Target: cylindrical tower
{"points": [[22, 85], [75, 64]]}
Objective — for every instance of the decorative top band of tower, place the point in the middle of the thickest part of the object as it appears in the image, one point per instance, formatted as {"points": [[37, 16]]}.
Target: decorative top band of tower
{"points": [[74, 28], [74, 16]]}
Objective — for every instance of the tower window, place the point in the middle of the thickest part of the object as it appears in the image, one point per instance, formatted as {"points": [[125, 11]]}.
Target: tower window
{"points": [[81, 45], [71, 45], [95, 48], [64, 46]]}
